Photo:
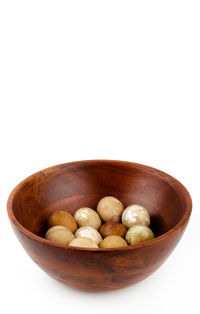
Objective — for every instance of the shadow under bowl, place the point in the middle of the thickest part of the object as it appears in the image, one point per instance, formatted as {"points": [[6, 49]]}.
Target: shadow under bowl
{"points": [[77, 184]]}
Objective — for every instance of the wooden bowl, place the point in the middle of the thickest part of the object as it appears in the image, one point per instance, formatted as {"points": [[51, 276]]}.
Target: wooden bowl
{"points": [[73, 185]]}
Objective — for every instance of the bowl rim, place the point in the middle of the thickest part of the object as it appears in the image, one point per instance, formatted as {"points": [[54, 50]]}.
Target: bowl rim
{"points": [[170, 179]]}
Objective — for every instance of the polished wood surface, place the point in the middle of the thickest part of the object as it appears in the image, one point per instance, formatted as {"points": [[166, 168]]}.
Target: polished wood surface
{"points": [[73, 185]]}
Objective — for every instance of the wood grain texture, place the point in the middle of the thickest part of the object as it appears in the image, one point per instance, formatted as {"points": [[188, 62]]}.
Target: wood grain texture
{"points": [[78, 184]]}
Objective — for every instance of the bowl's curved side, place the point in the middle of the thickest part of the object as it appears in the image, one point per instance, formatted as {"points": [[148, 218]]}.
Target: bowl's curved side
{"points": [[99, 270]]}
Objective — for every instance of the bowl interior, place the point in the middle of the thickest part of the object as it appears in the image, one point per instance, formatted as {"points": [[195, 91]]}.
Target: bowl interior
{"points": [[71, 186]]}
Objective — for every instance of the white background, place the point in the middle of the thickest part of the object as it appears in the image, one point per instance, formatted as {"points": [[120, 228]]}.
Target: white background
{"points": [[99, 80]]}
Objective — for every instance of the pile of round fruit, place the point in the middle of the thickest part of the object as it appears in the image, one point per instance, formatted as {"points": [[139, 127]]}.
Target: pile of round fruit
{"points": [[134, 226]]}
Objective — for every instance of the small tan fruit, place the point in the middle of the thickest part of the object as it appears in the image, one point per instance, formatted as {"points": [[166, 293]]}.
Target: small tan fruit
{"points": [[62, 218], [59, 234], [83, 242], [135, 215], [89, 232], [112, 242], [110, 208], [86, 216], [138, 234], [113, 228]]}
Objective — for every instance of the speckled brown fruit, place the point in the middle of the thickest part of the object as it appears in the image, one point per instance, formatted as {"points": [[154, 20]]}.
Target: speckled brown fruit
{"points": [[59, 234], [89, 232], [110, 208], [84, 242], [86, 216], [138, 234], [62, 218], [135, 215], [113, 228], [112, 242]]}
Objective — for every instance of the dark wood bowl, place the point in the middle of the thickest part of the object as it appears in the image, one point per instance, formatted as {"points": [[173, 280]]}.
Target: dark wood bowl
{"points": [[73, 185]]}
